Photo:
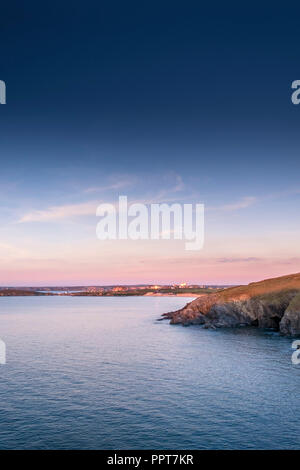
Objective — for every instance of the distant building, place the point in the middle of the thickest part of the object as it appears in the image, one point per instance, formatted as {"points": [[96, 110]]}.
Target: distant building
{"points": [[182, 285], [119, 289]]}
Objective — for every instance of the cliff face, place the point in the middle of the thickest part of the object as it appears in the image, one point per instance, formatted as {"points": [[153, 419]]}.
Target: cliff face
{"points": [[272, 303]]}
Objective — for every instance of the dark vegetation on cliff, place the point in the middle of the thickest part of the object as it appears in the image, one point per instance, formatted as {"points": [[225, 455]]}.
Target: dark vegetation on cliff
{"points": [[272, 303], [20, 292]]}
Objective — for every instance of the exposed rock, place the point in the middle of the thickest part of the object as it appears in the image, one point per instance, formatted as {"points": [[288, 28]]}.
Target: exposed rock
{"points": [[290, 323], [272, 303]]}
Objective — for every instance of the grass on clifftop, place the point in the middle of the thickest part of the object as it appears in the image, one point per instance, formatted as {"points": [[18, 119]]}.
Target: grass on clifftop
{"points": [[267, 286]]}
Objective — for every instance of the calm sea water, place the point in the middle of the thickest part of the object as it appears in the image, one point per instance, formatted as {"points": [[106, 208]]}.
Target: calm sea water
{"points": [[102, 373]]}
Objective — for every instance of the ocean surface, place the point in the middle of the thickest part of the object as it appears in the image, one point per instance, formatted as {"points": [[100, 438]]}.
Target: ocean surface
{"points": [[102, 373]]}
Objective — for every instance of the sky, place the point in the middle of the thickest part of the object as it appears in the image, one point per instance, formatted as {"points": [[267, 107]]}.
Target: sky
{"points": [[159, 101]]}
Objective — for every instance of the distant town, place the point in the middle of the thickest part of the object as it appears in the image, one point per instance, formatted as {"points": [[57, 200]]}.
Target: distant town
{"points": [[182, 289]]}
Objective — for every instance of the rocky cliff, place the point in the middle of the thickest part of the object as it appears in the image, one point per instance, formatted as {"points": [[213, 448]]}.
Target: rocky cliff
{"points": [[272, 303]]}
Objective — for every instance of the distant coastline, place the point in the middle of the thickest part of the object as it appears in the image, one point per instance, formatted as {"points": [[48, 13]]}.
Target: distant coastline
{"points": [[181, 290]]}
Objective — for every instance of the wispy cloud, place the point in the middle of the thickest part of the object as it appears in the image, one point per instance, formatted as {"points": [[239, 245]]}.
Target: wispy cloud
{"points": [[240, 204], [248, 201], [119, 182], [60, 212], [55, 213]]}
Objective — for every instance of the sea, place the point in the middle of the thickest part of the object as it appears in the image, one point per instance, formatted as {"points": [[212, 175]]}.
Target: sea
{"points": [[104, 373]]}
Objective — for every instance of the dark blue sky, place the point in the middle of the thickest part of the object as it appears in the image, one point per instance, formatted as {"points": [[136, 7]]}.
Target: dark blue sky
{"points": [[189, 97], [139, 78]]}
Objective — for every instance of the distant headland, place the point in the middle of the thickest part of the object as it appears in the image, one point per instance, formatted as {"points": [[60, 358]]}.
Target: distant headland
{"points": [[272, 303], [114, 290]]}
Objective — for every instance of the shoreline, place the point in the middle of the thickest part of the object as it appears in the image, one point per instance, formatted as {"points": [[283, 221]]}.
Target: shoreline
{"points": [[170, 295], [193, 296]]}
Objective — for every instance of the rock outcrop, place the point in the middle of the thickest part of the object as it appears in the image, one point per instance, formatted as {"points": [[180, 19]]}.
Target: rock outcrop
{"points": [[272, 303]]}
